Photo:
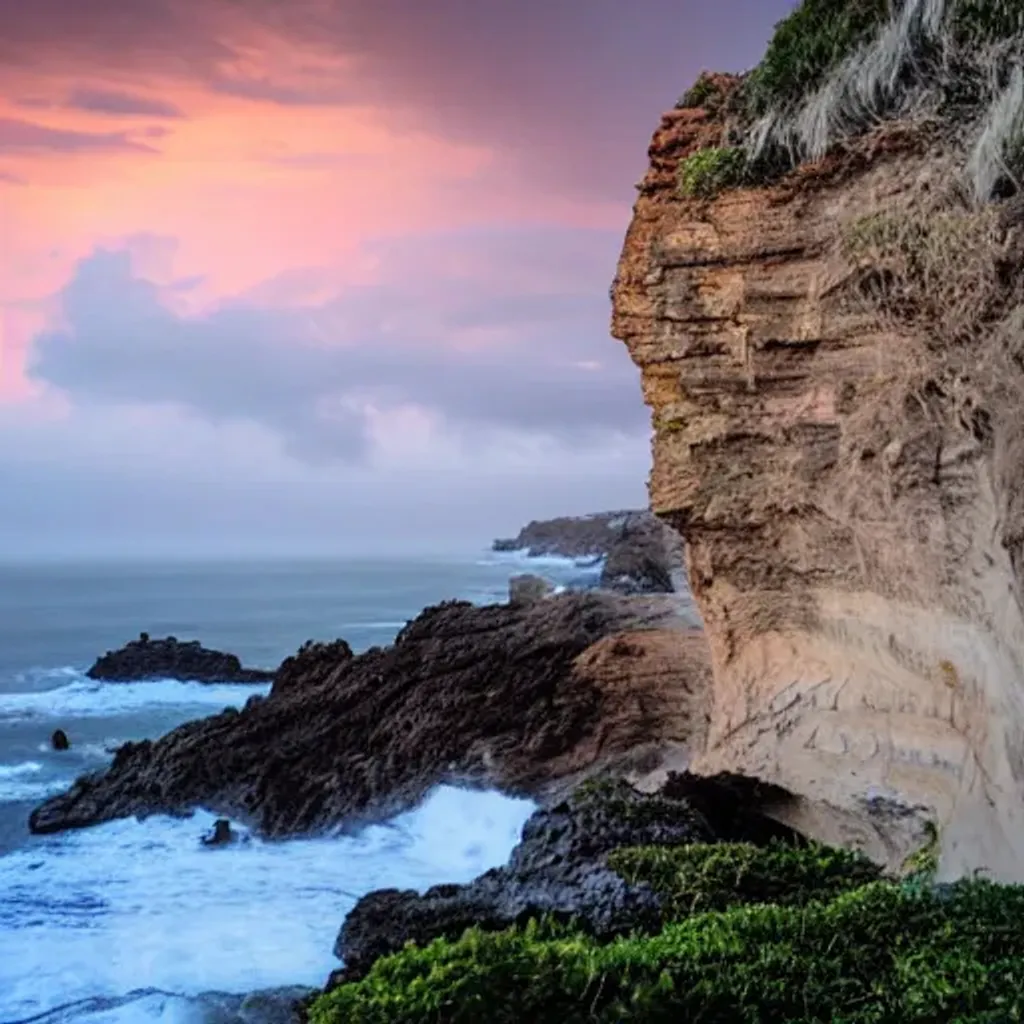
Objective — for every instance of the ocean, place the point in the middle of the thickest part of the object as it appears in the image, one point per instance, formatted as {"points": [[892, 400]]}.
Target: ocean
{"points": [[135, 922]]}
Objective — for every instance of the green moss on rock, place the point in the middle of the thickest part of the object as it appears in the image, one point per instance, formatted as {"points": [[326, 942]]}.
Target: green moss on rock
{"points": [[707, 172], [692, 879], [877, 954]]}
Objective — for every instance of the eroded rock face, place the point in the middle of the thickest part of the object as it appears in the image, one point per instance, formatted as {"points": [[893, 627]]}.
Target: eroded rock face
{"points": [[526, 698], [852, 507]]}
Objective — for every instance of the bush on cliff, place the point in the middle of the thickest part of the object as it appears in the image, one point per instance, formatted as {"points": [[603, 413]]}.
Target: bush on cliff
{"points": [[881, 953], [708, 171], [694, 879]]}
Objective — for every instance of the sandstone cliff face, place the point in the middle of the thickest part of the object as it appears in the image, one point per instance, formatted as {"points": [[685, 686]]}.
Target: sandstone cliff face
{"points": [[853, 527]]}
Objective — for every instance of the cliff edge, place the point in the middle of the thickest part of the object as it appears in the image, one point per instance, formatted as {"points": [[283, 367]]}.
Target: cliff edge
{"points": [[822, 287]]}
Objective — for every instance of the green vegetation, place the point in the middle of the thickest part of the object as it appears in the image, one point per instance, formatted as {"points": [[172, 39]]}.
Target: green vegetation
{"points": [[880, 954], [702, 92], [708, 171], [807, 45], [693, 879]]}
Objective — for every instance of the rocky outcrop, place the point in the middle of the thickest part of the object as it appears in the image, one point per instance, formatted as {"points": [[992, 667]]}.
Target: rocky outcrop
{"points": [[170, 658], [640, 554], [524, 697], [559, 869], [848, 477]]}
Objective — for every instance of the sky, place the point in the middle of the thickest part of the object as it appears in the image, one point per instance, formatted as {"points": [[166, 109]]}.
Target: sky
{"points": [[312, 277]]}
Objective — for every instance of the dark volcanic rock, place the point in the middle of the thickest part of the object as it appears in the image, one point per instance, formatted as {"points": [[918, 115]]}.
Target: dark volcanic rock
{"points": [[220, 835], [559, 869], [475, 695], [569, 536], [642, 554], [173, 659], [646, 557], [59, 740]]}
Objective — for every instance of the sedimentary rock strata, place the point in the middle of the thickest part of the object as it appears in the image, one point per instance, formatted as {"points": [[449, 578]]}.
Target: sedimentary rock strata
{"points": [[848, 480]]}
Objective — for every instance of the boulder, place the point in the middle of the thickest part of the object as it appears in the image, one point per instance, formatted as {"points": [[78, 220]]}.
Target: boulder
{"points": [[59, 740], [527, 588]]}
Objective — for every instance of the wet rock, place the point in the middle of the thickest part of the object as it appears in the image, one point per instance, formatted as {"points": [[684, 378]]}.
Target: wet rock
{"points": [[59, 740], [511, 696], [171, 658], [221, 834], [558, 869], [268, 1006]]}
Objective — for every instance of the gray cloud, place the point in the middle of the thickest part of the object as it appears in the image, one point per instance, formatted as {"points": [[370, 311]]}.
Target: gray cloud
{"points": [[117, 102], [10, 178], [496, 345], [17, 136]]}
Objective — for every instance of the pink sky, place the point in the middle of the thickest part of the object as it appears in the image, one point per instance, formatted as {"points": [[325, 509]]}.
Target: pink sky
{"points": [[444, 189]]}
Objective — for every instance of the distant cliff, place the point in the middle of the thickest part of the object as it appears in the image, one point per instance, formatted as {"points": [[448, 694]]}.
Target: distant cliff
{"points": [[823, 288], [640, 553]]}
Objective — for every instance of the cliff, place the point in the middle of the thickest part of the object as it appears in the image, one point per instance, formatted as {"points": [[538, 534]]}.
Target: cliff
{"points": [[832, 356]]}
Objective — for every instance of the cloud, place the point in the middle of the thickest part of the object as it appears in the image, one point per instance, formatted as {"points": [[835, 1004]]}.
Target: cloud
{"points": [[17, 136], [10, 178], [468, 327], [116, 102], [569, 92]]}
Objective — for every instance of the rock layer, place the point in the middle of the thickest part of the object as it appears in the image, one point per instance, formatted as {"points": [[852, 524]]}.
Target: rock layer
{"points": [[853, 523], [525, 697]]}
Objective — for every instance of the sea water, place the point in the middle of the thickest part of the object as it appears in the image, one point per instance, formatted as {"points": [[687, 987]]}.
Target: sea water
{"points": [[132, 921]]}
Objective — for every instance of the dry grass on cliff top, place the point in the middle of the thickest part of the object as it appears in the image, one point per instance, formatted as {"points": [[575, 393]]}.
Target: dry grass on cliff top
{"points": [[836, 68]]}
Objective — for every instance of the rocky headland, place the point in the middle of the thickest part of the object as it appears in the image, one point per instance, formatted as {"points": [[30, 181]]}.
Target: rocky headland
{"points": [[823, 287], [639, 553], [170, 658], [525, 697]]}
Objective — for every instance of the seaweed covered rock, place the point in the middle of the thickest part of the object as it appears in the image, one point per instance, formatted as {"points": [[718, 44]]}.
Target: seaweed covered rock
{"points": [[559, 870], [171, 658]]}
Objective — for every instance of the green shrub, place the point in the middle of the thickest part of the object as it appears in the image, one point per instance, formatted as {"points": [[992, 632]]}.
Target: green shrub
{"points": [[708, 171], [700, 93], [692, 879], [806, 45], [876, 954]]}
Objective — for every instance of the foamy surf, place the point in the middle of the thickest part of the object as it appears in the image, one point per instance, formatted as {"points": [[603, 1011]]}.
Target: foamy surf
{"points": [[81, 697], [90, 917]]}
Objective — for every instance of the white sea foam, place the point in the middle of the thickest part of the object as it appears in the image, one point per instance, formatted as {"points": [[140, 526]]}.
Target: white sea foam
{"points": [[80, 696], [22, 782], [129, 906]]}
